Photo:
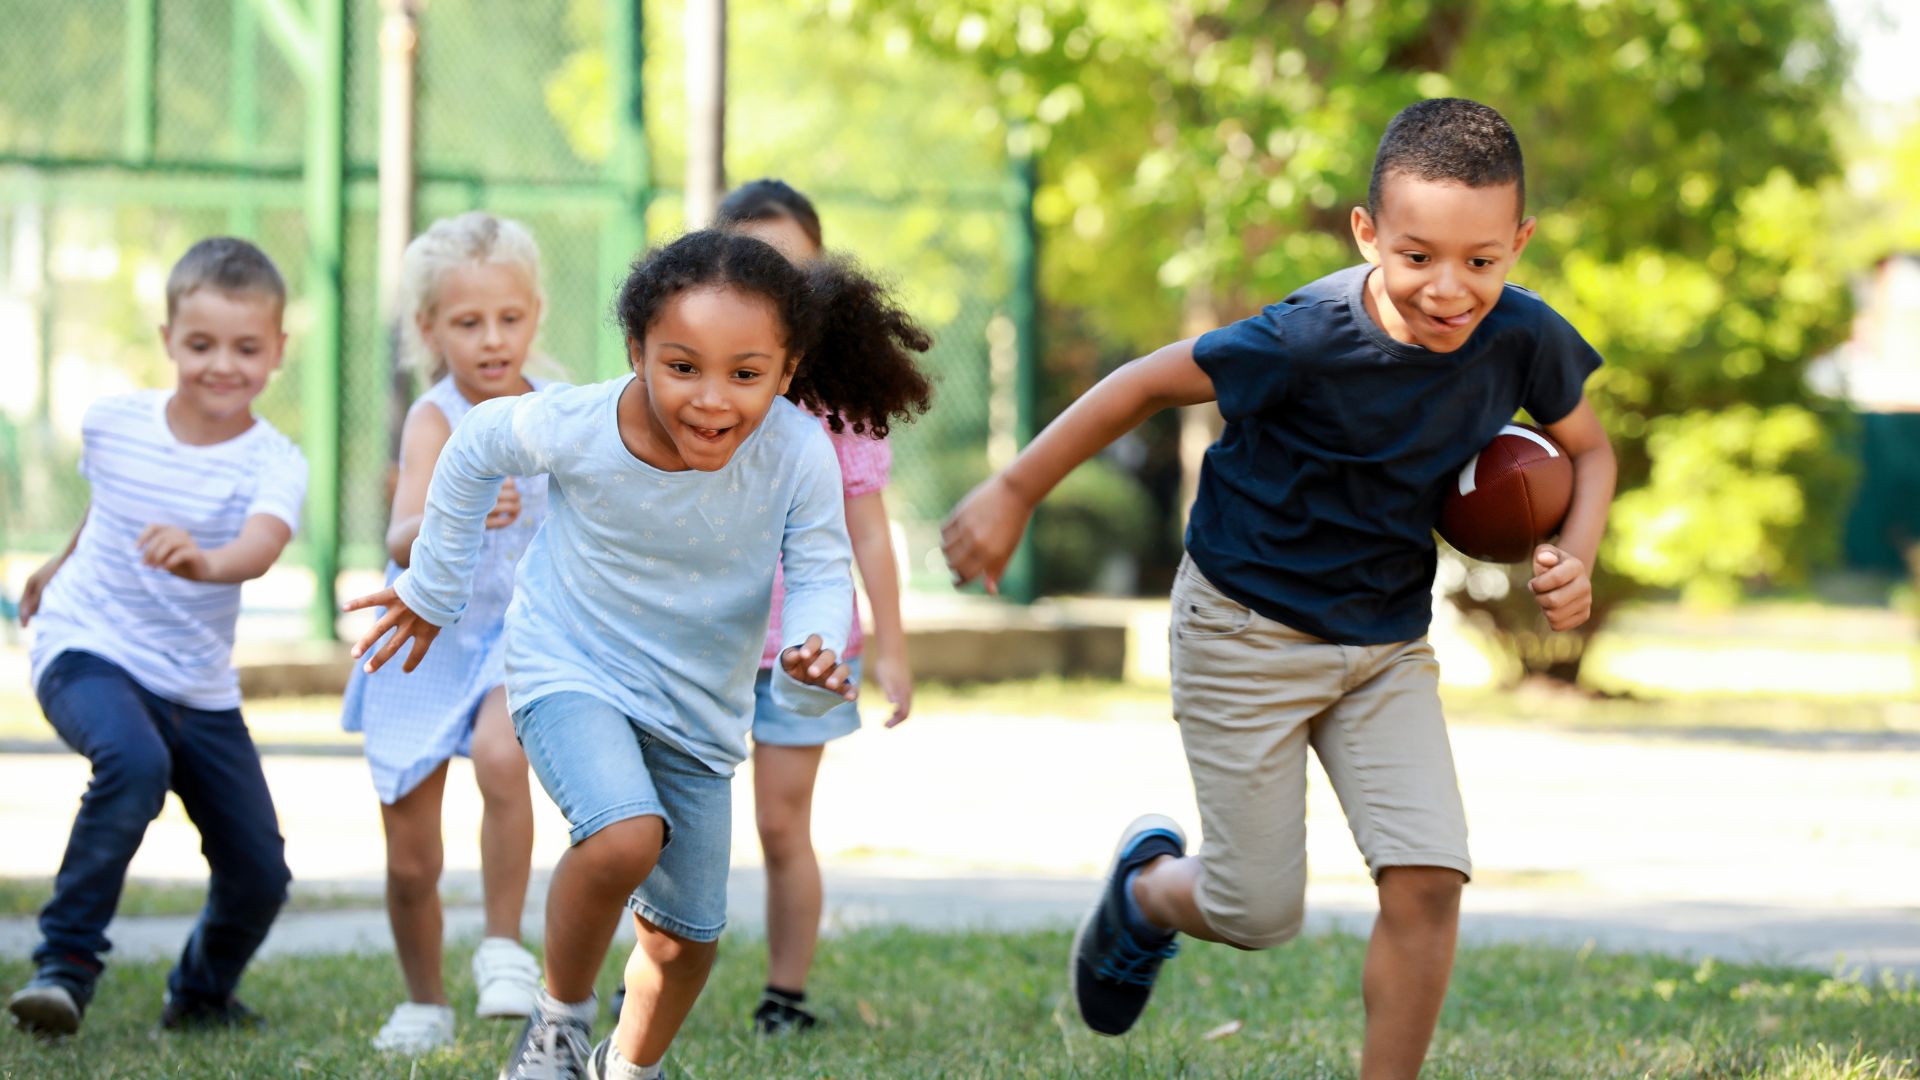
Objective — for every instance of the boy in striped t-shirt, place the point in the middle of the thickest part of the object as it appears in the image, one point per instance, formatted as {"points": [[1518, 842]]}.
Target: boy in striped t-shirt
{"points": [[133, 639]]}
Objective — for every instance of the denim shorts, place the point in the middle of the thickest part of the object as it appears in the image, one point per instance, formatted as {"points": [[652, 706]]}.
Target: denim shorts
{"points": [[600, 766], [776, 726]]}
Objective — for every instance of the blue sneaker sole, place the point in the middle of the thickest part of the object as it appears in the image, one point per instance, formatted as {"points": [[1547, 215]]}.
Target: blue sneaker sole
{"points": [[1145, 823]]}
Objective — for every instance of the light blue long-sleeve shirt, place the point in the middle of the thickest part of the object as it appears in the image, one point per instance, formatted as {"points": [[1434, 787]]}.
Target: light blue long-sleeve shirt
{"points": [[649, 590]]}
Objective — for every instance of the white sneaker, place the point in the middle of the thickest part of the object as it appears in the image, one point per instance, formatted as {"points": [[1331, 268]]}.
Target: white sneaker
{"points": [[416, 1029], [507, 976]]}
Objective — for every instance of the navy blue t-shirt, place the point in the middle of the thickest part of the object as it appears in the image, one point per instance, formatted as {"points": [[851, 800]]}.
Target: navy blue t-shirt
{"points": [[1317, 505]]}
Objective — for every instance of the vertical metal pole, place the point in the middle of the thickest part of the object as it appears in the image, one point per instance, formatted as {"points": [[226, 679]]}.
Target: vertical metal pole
{"points": [[1021, 583], [326, 253], [706, 37], [399, 44], [243, 109], [137, 125], [35, 223], [627, 170]]}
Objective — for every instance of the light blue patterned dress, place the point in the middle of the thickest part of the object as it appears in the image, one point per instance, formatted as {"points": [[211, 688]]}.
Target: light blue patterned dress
{"points": [[415, 720]]}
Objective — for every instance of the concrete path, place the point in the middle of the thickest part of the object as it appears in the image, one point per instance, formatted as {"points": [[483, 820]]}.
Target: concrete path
{"points": [[1799, 851], [1852, 939]]}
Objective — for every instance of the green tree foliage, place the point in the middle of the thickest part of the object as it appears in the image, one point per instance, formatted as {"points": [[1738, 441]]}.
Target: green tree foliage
{"points": [[1200, 158]]}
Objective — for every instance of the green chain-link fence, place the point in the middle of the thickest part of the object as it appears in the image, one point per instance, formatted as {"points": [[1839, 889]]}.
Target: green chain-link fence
{"points": [[130, 128]]}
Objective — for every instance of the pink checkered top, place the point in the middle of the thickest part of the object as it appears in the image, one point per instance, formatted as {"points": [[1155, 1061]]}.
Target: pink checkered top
{"points": [[865, 463]]}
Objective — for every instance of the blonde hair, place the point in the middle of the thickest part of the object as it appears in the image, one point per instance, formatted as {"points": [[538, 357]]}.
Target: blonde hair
{"points": [[473, 238]]}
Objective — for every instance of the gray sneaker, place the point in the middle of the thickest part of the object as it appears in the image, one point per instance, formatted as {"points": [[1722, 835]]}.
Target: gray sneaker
{"points": [[47, 1006], [550, 1048]]}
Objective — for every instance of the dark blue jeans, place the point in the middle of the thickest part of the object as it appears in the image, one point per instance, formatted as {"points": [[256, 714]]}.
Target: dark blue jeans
{"points": [[141, 745]]}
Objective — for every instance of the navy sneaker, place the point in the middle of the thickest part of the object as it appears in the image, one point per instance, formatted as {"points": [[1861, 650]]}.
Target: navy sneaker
{"points": [[1113, 971], [779, 1014], [550, 1048], [184, 1013], [50, 1005]]}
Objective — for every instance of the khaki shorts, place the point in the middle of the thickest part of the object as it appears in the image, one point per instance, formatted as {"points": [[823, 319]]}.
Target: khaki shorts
{"points": [[1251, 695]]}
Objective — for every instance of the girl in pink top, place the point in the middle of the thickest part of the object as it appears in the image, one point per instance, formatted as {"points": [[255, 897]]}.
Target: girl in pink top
{"points": [[786, 747]]}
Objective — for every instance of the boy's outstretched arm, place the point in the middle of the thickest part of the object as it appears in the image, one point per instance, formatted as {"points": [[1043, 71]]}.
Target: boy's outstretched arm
{"points": [[1563, 574], [262, 538], [981, 533], [37, 583]]}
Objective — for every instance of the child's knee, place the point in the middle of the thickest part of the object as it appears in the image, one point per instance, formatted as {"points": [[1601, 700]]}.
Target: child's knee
{"points": [[414, 874], [625, 850], [1427, 893], [783, 835], [672, 954], [499, 765], [1265, 921], [134, 783], [256, 894]]}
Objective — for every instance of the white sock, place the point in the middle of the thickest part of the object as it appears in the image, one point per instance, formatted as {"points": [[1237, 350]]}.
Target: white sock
{"points": [[555, 1009], [619, 1068]]}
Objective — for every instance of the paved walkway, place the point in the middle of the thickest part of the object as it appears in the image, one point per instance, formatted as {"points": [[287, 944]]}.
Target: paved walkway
{"points": [[1866, 940], [1784, 850]]}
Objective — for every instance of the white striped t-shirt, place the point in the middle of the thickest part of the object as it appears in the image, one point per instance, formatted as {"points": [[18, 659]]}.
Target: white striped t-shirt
{"points": [[174, 636]]}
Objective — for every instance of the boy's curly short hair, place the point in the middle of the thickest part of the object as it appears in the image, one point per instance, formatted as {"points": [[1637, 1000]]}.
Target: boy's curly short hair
{"points": [[1449, 139], [228, 264]]}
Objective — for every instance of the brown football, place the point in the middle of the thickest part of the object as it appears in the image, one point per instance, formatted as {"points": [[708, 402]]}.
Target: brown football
{"points": [[1510, 498]]}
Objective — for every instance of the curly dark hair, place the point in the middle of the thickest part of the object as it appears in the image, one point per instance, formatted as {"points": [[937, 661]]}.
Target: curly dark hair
{"points": [[856, 346], [1449, 139]]}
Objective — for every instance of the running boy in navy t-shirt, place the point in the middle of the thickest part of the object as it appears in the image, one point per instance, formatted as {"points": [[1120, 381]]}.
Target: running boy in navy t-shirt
{"points": [[1300, 613]]}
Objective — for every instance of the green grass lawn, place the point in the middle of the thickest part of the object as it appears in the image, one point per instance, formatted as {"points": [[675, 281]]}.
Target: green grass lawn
{"points": [[911, 1004]]}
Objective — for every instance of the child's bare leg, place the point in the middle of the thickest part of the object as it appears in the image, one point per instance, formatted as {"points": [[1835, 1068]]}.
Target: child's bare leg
{"points": [[1408, 963], [1164, 890], [414, 859], [783, 778], [506, 816], [590, 887], [664, 977]]}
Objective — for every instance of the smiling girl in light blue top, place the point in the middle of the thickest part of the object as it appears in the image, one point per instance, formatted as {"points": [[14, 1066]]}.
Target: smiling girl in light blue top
{"points": [[634, 634]]}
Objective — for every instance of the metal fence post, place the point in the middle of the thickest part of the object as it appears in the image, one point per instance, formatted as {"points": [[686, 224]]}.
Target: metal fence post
{"points": [[399, 48], [143, 46], [243, 108], [325, 288], [626, 170], [1021, 582]]}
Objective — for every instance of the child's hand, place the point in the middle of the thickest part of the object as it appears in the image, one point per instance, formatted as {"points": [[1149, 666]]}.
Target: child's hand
{"points": [[815, 666], [896, 681], [402, 621], [36, 584], [169, 548], [506, 509], [979, 536], [1561, 587]]}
